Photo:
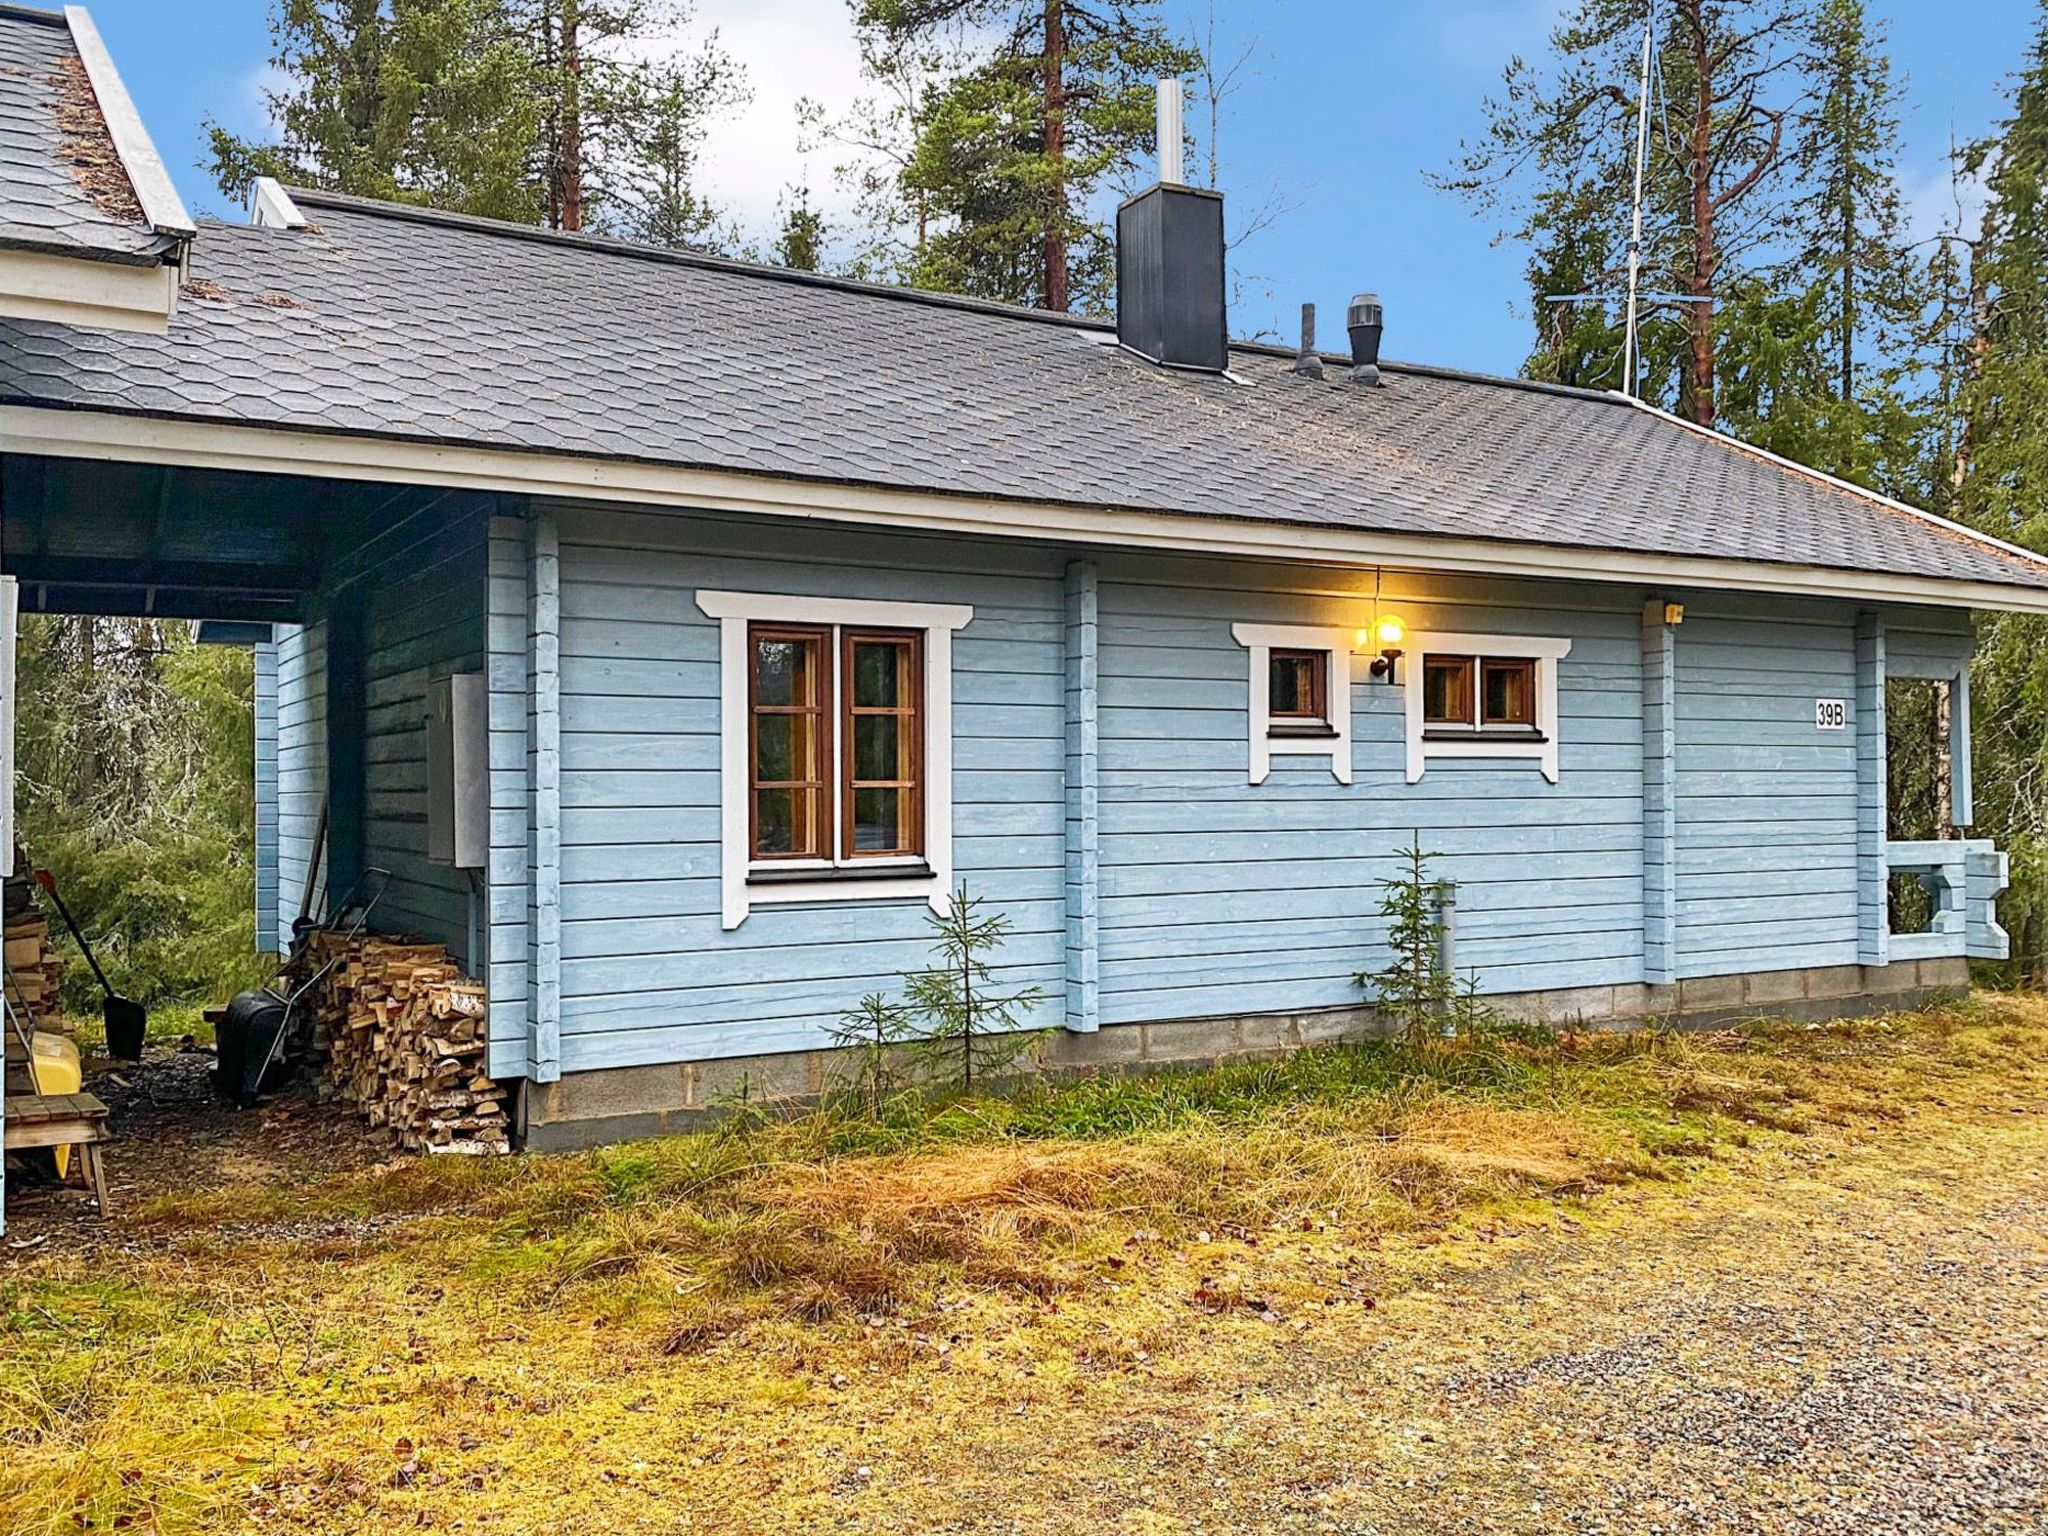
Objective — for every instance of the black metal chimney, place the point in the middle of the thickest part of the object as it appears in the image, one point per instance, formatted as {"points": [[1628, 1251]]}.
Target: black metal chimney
{"points": [[1366, 323], [1169, 262]]}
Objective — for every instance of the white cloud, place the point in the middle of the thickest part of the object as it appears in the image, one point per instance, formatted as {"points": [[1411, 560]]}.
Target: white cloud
{"points": [[791, 49], [1942, 200], [250, 112]]}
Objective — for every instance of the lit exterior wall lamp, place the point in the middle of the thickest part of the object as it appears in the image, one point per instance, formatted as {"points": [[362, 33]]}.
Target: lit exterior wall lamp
{"points": [[1387, 633]]}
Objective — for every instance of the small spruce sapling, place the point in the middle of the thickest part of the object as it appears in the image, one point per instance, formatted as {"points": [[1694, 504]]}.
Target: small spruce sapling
{"points": [[1415, 989], [967, 1024], [872, 1036]]}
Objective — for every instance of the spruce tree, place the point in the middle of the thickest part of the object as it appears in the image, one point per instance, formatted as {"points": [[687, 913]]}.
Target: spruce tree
{"points": [[576, 114], [1824, 356], [428, 101], [1009, 155], [2003, 489]]}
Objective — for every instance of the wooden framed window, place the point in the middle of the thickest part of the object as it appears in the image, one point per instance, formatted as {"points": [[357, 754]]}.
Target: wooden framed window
{"points": [[789, 713], [1299, 696], [881, 749], [830, 782], [835, 749], [1485, 697], [1298, 687], [1507, 692], [1447, 689]]}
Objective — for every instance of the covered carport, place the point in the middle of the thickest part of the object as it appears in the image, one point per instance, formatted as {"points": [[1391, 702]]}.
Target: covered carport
{"points": [[361, 592]]}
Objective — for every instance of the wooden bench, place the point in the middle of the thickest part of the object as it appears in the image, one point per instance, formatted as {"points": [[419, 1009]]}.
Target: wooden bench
{"points": [[62, 1120]]}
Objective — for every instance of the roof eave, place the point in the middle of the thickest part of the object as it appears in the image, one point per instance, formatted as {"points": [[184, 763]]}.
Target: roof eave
{"points": [[64, 432], [1849, 487]]}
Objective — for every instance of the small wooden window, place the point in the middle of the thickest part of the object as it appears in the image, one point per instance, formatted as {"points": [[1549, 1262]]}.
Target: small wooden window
{"points": [[1507, 693], [789, 690], [882, 745], [1298, 687], [1447, 689]]}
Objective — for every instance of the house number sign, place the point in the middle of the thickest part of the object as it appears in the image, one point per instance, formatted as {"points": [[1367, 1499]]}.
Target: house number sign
{"points": [[1830, 714]]}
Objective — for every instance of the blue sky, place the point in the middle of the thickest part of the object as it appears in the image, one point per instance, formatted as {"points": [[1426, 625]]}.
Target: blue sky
{"points": [[1349, 102]]}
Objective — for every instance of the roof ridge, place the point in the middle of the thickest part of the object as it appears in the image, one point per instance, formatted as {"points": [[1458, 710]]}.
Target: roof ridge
{"points": [[609, 245], [35, 13], [613, 246], [1438, 371]]}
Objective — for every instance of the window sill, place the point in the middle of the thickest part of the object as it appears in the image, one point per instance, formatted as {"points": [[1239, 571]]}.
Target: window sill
{"points": [[838, 874], [1307, 730], [1440, 735]]}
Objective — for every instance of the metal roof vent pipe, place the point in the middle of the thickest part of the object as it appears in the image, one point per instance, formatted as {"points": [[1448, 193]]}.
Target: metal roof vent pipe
{"points": [[1307, 362], [1364, 321]]}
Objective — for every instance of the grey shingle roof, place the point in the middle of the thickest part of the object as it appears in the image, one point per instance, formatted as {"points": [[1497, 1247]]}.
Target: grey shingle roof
{"points": [[383, 322], [63, 187]]}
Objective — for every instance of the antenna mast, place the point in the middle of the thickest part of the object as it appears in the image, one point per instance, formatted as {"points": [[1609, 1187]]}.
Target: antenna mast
{"points": [[1635, 239]]}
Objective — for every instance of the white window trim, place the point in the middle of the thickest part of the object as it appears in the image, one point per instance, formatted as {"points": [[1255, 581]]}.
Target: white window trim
{"points": [[1546, 653], [1262, 640], [734, 612]]}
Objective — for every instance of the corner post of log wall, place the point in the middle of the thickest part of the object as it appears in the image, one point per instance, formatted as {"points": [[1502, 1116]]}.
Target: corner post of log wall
{"points": [[263, 655], [1082, 796], [1660, 800], [1873, 872], [508, 624], [544, 740]]}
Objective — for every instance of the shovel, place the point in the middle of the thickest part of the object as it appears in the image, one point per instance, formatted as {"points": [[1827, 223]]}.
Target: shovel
{"points": [[125, 1018]]}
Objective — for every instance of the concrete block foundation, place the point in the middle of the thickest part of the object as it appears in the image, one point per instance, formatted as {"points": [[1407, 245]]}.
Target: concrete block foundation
{"points": [[622, 1103]]}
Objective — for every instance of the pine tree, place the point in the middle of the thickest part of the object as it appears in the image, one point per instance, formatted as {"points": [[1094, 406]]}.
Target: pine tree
{"points": [[1556, 165], [1009, 154]]}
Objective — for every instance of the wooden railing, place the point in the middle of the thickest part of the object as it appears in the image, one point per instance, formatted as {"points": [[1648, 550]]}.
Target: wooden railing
{"points": [[1963, 880]]}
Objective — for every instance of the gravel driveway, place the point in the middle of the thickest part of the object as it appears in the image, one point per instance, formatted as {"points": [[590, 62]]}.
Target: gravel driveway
{"points": [[1849, 1336]]}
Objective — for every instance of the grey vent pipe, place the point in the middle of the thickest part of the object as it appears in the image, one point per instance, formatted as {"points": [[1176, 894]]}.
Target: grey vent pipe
{"points": [[1366, 322]]}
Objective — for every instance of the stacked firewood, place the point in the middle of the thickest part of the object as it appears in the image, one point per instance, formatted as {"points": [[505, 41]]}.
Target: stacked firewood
{"points": [[403, 1033], [33, 972]]}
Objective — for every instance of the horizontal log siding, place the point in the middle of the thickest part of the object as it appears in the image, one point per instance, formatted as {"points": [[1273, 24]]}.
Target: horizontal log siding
{"points": [[423, 618], [647, 974], [1767, 802], [1218, 896], [301, 768]]}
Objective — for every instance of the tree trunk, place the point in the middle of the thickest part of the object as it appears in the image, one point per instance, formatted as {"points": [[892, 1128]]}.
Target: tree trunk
{"points": [[1055, 88], [1978, 349], [1848, 338], [1700, 280], [571, 169], [1944, 762]]}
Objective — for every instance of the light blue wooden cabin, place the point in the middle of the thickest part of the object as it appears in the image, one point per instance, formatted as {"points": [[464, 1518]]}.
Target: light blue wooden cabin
{"points": [[784, 604]]}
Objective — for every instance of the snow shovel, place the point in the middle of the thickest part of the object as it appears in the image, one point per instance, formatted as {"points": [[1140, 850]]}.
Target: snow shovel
{"points": [[125, 1018]]}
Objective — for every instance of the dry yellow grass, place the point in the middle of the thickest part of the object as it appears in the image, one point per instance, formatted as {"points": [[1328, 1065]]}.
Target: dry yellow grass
{"points": [[712, 1333]]}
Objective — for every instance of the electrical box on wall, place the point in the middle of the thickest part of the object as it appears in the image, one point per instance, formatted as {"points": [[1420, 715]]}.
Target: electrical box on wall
{"points": [[458, 780]]}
